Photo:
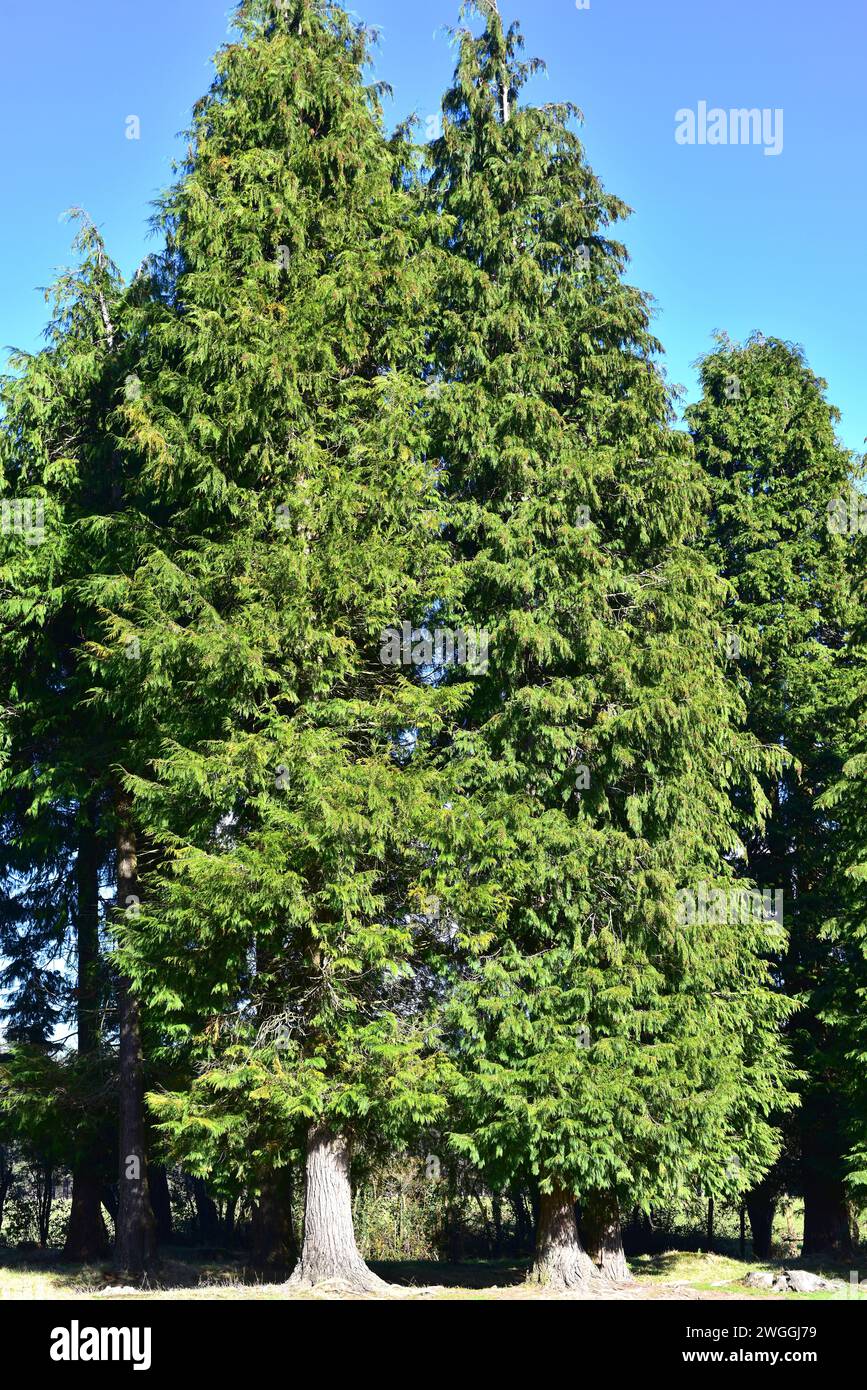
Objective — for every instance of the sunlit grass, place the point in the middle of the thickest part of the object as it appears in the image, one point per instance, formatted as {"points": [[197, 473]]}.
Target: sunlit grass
{"points": [[183, 1276]]}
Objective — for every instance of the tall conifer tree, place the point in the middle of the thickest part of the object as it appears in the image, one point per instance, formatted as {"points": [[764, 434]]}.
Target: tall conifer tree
{"points": [[281, 422], [613, 1051], [67, 478], [844, 931], [780, 485]]}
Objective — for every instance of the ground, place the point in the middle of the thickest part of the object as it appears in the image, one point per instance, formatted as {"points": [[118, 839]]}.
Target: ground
{"points": [[183, 1275]]}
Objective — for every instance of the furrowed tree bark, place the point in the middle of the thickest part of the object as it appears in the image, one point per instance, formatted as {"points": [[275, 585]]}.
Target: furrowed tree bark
{"points": [[329, 1253], [761, 1205], [561, 1260], [602, 1236], [86, 1234], [135, 1239]]}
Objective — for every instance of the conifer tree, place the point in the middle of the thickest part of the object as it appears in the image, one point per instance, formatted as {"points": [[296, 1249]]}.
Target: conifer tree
{"points": [[764, 434], [281, 424], [845, 802], [605, 1045], [68, 490]]}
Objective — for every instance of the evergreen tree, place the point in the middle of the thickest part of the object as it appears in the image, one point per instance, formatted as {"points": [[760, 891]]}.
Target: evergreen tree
{"points": [[764, 434], [75, 516], [610, 1046], [844, 933], [228, 1124], [282, 426]]}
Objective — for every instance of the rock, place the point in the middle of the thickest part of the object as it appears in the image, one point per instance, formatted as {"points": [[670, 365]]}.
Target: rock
{"points": [[759, 1280], [790, 1281], [801, 1282], [120, 1288]]}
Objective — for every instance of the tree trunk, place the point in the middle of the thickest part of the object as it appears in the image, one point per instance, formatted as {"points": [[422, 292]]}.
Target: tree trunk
{"points": [[454, 1217], [561, 1260], [710, 1224], [602, 1236], [274, 1244], [497, 1210], [161, 1202], [108, 1197], [229, 1224], [135, 1240], [207, 1216], [87, 935], [827, 1219], [743, 1232], [523, 1217], [329, 1253], [86, 1235], [43, 1181], [6, 1176], [761, 1206]]}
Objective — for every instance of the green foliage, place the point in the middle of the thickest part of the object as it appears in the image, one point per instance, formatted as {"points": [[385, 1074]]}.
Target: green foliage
{"points": [[764, 433], [844, 931], [358, 389], [598, 1042], [281, 426], [59, 469], [59, 1107]]}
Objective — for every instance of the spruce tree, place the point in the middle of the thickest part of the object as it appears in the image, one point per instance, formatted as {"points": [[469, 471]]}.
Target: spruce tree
{"points": [[606, 1044]]}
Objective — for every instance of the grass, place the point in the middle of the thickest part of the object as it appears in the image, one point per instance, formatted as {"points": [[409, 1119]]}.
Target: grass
{"points": [[186, 1275], [703, 1273]]}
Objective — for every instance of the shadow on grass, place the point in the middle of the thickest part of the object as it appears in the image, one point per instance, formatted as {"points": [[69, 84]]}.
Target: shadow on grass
{"points": [[177, 1268], [190, 1269], [180, 1268], [480, 1274], [660, 1264]]}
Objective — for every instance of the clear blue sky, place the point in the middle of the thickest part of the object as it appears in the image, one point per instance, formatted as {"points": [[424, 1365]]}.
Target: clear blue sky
{"points": [[723, 237]]}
